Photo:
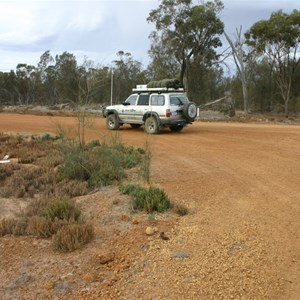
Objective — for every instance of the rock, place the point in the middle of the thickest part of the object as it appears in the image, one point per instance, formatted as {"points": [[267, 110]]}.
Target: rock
{"points": [[150, 230], [88, 277], [105, 257], [163, 236], [49, 285], [125, 218], [62, 288], [20, 281], [182, 254]]}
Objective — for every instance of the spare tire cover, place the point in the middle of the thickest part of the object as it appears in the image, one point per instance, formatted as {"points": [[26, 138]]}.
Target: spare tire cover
{"points": [[190, 111]]}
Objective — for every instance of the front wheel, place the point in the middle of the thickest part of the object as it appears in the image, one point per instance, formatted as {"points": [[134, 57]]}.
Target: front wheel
{"points": [[112, 122], [151, 125]]}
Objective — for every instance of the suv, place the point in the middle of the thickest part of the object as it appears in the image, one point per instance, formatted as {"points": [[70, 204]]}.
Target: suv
{"points": [[155, 108]]}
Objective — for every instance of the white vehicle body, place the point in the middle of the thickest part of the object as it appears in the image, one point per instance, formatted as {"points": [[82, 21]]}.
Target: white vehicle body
{"points": [[155, 108]]}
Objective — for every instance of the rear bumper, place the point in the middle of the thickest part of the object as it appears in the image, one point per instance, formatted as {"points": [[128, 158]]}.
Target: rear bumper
{"points": [[170, 122]]}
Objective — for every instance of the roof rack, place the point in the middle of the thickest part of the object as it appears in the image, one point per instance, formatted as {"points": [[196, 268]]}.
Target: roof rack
{"points": [[143, 88]]}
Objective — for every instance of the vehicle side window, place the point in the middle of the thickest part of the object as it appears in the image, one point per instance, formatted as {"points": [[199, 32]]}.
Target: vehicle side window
{"points": [[131, 99], [143, 100], [178, 100], [157, 100]]}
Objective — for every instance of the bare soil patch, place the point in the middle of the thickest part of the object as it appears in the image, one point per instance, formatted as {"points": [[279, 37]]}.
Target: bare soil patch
{"points": [[240, 240]]}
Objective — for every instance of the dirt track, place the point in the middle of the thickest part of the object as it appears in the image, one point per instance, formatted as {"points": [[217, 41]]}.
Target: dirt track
{"points": [[241, 185]]}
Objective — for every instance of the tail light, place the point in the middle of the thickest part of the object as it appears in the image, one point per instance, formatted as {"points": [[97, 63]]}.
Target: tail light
{"points": [[168, 113]]}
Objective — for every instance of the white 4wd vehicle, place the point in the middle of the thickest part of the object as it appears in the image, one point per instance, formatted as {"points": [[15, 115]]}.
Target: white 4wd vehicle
{"points": [[155, 108]]}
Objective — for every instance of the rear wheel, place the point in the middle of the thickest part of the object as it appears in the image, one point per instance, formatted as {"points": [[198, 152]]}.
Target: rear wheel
{"points": [[176, 128], [151, 125], [112, 122]]}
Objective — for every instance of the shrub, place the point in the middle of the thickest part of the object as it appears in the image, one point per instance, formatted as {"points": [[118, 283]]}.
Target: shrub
{"points": [[40, 227], [26, 182], [157, 200], [35, 206], [63, 209], [13, 226], [75, 164], [146, 164], [72, 237], [99, 165], [181, 210], [150, 200], [14, 186]]}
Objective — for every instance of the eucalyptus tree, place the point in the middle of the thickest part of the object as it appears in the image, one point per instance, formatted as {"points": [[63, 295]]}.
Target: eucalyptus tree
{"points": [[163, 63], [278, 40], [9, 94], [66, 77], [26, 83], [239, 55], [189, 32], [127, 73]]}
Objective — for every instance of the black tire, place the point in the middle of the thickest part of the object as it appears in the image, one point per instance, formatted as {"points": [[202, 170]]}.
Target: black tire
{"points": [[190, 111], [151, 125], [176, 128], [136, 126], [112, 122]]}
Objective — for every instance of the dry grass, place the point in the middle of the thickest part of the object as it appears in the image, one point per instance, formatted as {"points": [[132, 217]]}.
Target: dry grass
{"points": [[43, 227], [73, 236], [13, 226], [46, 171]]}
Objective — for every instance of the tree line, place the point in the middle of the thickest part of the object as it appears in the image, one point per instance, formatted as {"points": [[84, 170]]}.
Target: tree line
{"points": [[184, 45]]}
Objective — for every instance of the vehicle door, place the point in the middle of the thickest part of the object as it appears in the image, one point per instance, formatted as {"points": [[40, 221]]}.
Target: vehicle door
{"points": [[157, 103], [128, 109], [176, 105], [142, 107]]}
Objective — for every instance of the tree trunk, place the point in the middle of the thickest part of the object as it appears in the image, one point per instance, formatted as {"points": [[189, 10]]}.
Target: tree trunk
{"points": [[286, 108], [182, 72]]}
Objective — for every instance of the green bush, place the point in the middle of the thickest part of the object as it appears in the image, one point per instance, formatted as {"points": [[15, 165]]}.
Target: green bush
{"points": [[76, 163], [150, 200], [99, 165], [63, 210]]}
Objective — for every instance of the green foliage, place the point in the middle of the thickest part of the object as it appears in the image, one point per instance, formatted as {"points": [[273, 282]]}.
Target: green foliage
{"points": [[63, 209], [146, 163], [99, 165], [150, 200], [277, 39], [191, 31], [128, 73]]}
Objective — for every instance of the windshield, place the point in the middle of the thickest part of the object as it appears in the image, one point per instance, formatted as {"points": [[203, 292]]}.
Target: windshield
{"points": [[179, 99], [131, 100]]}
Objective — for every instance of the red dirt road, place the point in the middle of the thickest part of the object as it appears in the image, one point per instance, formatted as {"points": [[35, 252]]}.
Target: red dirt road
{"points": [[241, 183]]}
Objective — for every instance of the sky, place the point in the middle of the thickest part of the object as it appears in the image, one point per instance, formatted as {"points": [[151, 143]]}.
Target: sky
{"points": [[98, 29]]}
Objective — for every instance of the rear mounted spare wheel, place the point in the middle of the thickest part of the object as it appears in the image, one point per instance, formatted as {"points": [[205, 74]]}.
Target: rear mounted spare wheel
{"points": [[190, 111], [112, 122]]}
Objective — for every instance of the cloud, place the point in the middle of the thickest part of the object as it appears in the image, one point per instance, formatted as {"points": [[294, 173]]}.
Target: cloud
{"points": [[97, 28], [41, 23]]}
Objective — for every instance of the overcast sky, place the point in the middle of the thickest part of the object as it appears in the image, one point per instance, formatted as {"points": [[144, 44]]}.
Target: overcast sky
{"points": [[99, 29]]}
